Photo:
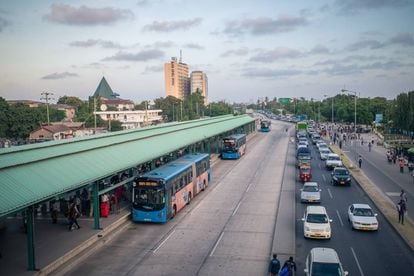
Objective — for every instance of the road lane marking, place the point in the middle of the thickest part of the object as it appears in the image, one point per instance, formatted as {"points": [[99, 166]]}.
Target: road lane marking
{"points": [[159, 246], [339, 216], [345, 151], [248, 188], [356, 260], [217, 243], [392, 194], [329, 192], [324, 178], [237, 208]]}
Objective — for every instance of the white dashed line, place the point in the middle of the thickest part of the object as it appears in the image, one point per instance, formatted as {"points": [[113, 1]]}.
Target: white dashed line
{"points": [[324, 178], [215, 246], [330, 194], [237, 208], [339, 217], [159, 246], [357, 262]]}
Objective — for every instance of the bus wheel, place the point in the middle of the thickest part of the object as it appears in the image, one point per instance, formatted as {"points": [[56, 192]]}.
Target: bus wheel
{"points": [[189, 199], [174, 212]]}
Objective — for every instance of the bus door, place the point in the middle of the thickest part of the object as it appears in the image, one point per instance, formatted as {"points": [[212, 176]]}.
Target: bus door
{"points": [[196, 185], [169, 202]]}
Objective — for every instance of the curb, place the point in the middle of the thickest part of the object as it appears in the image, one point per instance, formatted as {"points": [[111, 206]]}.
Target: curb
{"points": [[381, 201], [69, 259]]}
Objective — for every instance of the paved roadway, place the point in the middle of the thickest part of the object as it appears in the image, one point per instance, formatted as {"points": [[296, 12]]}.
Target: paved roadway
{"points": [[362, 253], [227, 230]]}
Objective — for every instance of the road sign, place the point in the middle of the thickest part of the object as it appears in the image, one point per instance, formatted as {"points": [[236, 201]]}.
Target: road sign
{"points": [[284, 100]]}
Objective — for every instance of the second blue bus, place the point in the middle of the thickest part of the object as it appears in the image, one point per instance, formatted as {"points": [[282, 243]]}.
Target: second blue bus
{"points": [[234, 146]]}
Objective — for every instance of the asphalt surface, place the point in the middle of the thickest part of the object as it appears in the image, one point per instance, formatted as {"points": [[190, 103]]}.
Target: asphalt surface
{"points": [[362, 253], [227, 230]]}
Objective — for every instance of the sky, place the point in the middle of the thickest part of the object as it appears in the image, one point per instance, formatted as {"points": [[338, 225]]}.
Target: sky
{"points": [[249, 49]]}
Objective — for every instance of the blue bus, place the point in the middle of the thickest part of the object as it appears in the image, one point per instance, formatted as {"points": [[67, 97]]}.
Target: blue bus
{"points": [[234, 146], [265, 125], [159, 194]]}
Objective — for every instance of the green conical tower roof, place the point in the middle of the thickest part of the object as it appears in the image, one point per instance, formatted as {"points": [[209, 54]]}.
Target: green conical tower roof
{"points": [[104, 90]]}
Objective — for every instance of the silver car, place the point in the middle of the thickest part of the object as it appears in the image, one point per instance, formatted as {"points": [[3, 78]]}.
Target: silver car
{"points": [[361, 217], [310, 192]]}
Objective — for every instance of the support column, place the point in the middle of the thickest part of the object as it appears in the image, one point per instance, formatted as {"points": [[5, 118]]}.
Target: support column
{"points": [[95, 191], [31, 256]]}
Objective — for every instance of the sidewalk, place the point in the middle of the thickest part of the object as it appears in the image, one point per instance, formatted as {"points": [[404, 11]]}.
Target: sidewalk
{"points": [[52, 241]]}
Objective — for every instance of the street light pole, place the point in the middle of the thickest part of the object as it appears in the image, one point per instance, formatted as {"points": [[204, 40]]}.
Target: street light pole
{"points": [[355, 93], [332, 114]]}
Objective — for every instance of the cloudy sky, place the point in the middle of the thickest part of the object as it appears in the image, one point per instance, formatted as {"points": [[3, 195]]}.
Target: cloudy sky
{"points": [[248, 48]]}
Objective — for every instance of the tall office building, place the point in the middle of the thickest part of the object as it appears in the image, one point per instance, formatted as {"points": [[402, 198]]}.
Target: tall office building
{"points": [[199, 82], [177, 81]]}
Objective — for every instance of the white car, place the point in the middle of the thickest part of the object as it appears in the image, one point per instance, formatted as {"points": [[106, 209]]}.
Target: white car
{"points": [[303, 143], [316, 223], [323, 146], [310, 192], [323, 261], [324, 153], [333, 160], [362, 217]]}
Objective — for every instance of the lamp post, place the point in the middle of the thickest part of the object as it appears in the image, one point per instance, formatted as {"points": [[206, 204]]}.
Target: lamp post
{"points": [[355, 93]]}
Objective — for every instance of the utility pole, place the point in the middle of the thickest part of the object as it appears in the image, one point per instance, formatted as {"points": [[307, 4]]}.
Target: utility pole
{"points": [[181, 107], [47, 98], [94, 115]]}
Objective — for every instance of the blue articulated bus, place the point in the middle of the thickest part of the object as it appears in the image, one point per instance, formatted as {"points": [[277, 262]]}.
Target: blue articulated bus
{"points": [[265, 126], [159, 194], [234, 146]]}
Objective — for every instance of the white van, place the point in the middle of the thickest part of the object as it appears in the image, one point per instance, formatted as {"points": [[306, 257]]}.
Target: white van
{"points": [[316, 223]]}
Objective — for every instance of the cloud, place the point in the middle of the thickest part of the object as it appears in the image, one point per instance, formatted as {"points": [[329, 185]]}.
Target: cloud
{"points": [[194, 46], [86, 16], [270, 73], [352, 6], [153, 69], [95, 42], [144, 55], [237, 52], [3, 24], [264, 25], [320, 49], [167, 26], [371, 44], [275, 54], [404, 39], [143, 3], [161, 44], [56, 76]]}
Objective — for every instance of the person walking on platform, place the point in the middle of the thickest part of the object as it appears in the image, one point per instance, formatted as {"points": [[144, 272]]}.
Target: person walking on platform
{"points": [[401, 163], [402, 209], [369, 146], [73, 216], [274, 266]]}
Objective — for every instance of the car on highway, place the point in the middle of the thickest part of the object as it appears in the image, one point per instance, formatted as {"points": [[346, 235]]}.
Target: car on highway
{"points": [[303, 143], [333, 160], [341, 176], [303, 159], [323, 146], [323, 153], [316, 223], [305, 173], [362, 217], [323, 261], [315, 137], [310, 192]]}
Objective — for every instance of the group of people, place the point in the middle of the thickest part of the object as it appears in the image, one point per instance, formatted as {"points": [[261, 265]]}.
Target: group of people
{"points": [[288, 268]]}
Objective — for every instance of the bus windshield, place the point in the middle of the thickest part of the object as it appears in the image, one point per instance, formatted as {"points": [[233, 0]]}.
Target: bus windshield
{"points": [[149, 198], [229, 144]]}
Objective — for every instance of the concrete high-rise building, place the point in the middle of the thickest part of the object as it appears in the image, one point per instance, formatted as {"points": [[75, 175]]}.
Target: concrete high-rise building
{"points": [[177, 81], [199, 82]]}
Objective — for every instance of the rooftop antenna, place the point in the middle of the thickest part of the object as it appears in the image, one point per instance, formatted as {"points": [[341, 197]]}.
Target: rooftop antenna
{"points": [[181, 55]]}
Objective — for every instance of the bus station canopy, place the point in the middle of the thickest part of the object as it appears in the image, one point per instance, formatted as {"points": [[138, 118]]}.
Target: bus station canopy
{"points": [[34, 173]]}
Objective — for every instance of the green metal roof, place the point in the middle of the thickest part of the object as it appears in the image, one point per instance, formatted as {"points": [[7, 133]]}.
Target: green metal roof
{"points": [[104, 90], [34, 173]]}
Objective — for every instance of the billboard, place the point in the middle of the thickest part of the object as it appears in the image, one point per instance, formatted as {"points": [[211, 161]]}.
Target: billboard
{"points": [[284, 100]]}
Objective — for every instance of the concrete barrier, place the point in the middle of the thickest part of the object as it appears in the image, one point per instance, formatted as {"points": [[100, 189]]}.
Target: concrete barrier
{"points": [[381, 201]]}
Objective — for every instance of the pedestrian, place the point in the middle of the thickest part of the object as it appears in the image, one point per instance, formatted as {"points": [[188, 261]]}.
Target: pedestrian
{"points": [[78, 203], [274, 266], [289, 267], [402, 209], [403, 195], [369, 146], [362, 141], [401, 163], [55, 211], [360, 161], [340, 144], [73, 216]]}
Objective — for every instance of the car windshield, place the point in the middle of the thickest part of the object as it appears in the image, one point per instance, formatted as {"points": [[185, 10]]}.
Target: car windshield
{"points": [[311, 189], [363, 212], [317, 218], [326, 269], [341, 172], [334, 158], [325, 151]]}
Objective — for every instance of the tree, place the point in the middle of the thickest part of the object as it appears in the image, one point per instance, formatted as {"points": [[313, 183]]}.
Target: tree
{"points": [[4, 109], [22, 120]]}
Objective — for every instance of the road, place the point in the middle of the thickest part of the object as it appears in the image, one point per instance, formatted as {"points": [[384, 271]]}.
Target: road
{"points": [[362, 253], [227, 230]]}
